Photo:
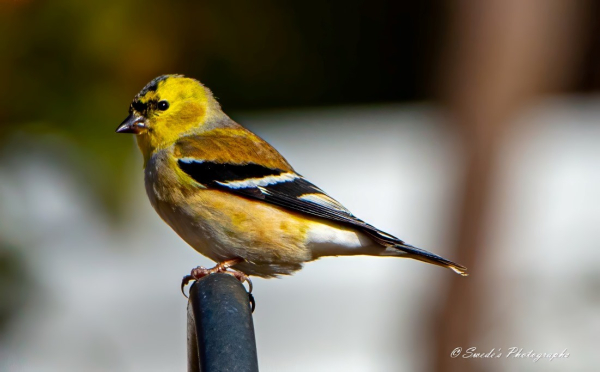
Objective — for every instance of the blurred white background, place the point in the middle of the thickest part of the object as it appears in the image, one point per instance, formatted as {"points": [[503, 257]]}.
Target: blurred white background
{"points": [[106, 297]]}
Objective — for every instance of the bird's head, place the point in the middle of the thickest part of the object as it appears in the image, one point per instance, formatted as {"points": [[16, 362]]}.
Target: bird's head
{"points": [[167, 108]]}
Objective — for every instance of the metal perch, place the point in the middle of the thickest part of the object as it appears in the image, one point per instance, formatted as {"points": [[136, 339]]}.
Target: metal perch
{"points": [[220, 327]]}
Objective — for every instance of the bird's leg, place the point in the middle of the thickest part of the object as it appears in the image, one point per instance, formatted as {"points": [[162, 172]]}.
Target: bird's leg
{"points": [[222, 267]]}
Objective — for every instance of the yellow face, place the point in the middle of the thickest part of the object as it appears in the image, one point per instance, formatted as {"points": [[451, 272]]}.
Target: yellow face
{"points": [[166, 108]]}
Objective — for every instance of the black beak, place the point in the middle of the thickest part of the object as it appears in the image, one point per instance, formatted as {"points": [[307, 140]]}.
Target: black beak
{"points": [[132, 124]]}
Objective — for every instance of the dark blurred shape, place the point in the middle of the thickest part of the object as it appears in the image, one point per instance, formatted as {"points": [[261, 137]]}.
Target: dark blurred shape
{"points": [[15, 284], [270, 53], [220, 327], [501, 56]]}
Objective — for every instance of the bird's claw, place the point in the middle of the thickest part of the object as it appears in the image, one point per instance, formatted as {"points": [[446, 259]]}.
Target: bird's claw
{"points": [[185, 281], [252, 302], [223, 267]]}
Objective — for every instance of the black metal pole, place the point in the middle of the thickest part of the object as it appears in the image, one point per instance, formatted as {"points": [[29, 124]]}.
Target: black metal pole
{"points": [[220, 328]]}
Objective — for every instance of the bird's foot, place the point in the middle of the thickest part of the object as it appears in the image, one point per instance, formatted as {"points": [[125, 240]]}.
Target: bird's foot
{"points": [[222, 267]]}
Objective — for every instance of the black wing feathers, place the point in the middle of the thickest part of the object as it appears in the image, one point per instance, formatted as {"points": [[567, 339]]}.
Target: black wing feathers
{"points": [[285, 193], [207, 173], [294, 188]]}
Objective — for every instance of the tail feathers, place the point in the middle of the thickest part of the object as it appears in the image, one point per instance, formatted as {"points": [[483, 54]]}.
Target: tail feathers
{"points": [[425, 256], [397, 247]]}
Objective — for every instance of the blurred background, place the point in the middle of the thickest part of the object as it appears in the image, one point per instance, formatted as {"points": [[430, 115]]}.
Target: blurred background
{"points": [[469, 128]]}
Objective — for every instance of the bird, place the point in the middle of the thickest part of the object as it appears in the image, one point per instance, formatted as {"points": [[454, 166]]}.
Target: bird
{"points": [[234, 198]]}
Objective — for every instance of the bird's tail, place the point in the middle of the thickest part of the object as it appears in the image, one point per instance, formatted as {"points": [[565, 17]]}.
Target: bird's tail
{"points": [[425, 256], [396, 247]]}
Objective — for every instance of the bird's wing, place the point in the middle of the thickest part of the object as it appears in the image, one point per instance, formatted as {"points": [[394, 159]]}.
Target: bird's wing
{"points": [[262, 179], [259, 173]]}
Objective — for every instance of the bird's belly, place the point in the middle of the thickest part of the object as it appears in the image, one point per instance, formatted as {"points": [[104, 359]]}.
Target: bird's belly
{"points": [[222, 226]]}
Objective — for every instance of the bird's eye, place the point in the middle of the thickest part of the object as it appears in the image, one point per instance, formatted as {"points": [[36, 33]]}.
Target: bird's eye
{"points": [[163, 105]]}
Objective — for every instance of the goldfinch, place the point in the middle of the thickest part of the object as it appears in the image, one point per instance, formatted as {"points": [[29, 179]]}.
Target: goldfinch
{"points": [[233, 197]]}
